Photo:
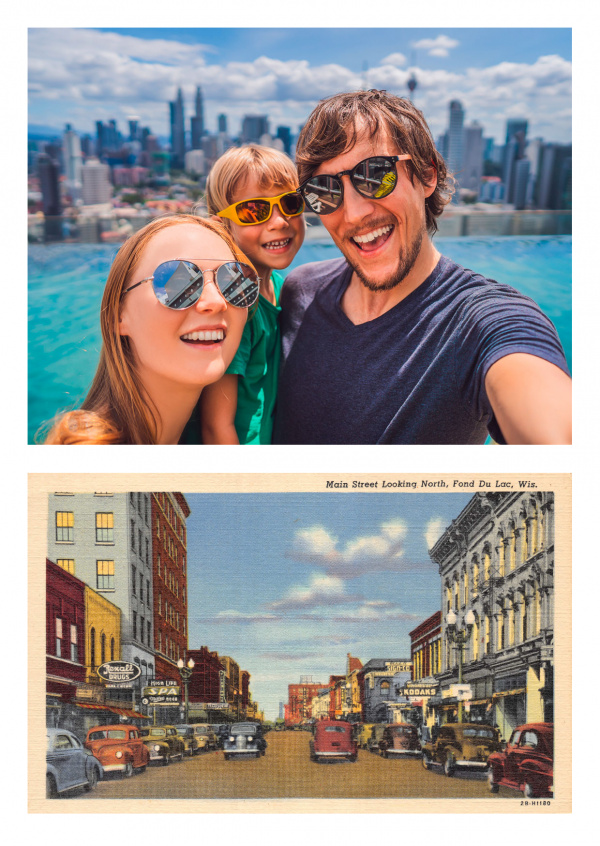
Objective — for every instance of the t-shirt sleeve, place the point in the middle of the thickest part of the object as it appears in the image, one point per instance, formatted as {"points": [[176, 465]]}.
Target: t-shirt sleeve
{"points": [[493, 324], [242, 357]]}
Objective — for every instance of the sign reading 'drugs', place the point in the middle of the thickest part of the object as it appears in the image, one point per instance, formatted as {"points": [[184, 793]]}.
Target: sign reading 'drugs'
{"points": [[119, 672]]}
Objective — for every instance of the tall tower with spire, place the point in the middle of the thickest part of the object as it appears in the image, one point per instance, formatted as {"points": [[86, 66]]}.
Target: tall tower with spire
{"points": [[198, 130], [412, 80], [177, 130]]}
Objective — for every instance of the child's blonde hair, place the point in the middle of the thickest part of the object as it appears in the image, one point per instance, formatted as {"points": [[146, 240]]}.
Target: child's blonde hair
{"points": [[271, 169]]}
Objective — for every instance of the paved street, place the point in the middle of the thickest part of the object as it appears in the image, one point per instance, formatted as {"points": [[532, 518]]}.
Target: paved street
{"points": [[287, 772]]}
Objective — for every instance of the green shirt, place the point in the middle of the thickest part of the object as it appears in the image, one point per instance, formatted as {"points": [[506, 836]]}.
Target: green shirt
{"points": [[257, 364]]}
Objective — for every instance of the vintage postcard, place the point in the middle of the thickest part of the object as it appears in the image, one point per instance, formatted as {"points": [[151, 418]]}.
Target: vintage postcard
{"points": [[300, 643]]}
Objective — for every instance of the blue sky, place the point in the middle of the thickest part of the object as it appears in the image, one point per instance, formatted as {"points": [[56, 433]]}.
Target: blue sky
{"points": [[82, 75], [290, 583]]}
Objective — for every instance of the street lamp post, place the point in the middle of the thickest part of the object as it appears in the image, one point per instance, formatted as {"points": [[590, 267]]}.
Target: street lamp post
{"points": [[460, 637], [186, 673]]}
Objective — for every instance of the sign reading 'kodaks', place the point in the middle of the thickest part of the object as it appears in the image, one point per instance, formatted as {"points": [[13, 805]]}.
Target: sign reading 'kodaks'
{"points": [[419, 690], [119, 671]]}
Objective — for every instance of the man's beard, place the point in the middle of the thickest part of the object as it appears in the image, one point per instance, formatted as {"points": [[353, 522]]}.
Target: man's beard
{"points": [[406, 262]]}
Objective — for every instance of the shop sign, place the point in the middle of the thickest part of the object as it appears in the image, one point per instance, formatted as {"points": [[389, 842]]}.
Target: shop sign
{"points": [[163, 695], [117, 672], [398, 666], [419, 690]]}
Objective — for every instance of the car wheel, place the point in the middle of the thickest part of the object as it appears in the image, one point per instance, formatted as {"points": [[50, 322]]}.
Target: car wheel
{"points": [[226, 756], [449, 765], [384, 753], [92, 779], [128, 771], [51, 791], [426, 761], [142, 769], [492, 784], [528, 791], [352, 759]]}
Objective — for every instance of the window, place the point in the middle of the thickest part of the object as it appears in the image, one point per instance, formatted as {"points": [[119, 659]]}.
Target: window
{"points": [[132, 535], [149, 633], [157, 528], [65, 521], [134, 626], [103, 648], [58, 637], [104, 527], [74, 655], [160, 604], [147, 552], [112, 649], [141, 588], [67, 564], [140, 551], [105, 575], [93, 647], [142, 621], [148, 593], [158, 565], [384, 689], [133, 580]]}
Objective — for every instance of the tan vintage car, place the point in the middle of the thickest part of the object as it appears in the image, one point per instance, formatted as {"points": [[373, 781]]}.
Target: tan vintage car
{"points": [[190, 739], [206, 737], [164, 744], [461, 746], [363, 734], [119, 748]]}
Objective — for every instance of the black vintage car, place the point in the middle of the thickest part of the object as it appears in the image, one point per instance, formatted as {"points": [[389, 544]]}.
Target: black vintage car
{"points": [[244, 740]]}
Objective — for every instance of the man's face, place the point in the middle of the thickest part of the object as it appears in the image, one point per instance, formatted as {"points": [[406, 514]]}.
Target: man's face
{"points": [[397, 221]]}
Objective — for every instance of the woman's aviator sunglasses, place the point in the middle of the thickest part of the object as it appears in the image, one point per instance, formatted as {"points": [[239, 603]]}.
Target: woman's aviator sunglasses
{"points": [[375, 178], [179, 283], [260, 209]]}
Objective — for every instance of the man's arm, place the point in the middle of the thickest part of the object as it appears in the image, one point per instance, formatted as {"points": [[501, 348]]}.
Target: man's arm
{"points": [[218, 405], [531, 399]]}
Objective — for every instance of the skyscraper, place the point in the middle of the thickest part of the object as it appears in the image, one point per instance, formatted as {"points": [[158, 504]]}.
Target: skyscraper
{"points": [[222, 123], [253, 126], [472, 169], [177, 130], [198, 121], [96, 186], [48, 172], [455, 138], [73, 160]]}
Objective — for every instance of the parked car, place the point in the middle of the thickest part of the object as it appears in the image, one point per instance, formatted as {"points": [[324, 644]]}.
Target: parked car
{"points": [[399, 739], [376, 735], [464, 745], [164, 744], [190, 739], [244, 740], [527, 762], [333, 739], [205, 735], [222, 731], [69, 764], [363, 734], [119, 748]]}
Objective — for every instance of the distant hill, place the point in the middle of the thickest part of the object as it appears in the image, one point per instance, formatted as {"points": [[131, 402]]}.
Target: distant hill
{"points": [[38, 131]]}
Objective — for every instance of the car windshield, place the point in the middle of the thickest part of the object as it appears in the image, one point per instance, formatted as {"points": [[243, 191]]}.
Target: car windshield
{"points": [[398, 730], [154, 732], [116, 734], [97, 735], [479, 732], [201, 729], [339, 729]]}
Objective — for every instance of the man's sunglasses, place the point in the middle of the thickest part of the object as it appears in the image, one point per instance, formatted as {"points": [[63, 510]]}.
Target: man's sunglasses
{"points": [[375, 178], [179, 283], [260, 209]]}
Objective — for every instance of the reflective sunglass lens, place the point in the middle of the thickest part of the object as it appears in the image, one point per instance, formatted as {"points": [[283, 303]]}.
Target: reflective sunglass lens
{"points": [[292, 203], [177, 283], [253, 211], [323, 194], [375, 177], [238, 283]]}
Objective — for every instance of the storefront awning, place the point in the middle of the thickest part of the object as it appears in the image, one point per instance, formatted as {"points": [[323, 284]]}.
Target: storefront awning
{"points": [[503, 693], [123, 712]]}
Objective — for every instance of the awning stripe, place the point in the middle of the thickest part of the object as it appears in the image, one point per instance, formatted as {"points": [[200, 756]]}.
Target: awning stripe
{"points": [[124, 712]]}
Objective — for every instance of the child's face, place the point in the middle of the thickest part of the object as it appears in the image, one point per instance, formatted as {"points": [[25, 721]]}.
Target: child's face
{"points": [[273, 244]]}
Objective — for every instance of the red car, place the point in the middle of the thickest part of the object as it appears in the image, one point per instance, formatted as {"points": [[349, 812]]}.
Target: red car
{"points": [[118, 748], [333, 739], [527, 762]]}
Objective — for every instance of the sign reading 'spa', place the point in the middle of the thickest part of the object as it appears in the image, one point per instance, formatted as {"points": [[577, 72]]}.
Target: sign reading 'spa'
{"points": [[119, 671]]}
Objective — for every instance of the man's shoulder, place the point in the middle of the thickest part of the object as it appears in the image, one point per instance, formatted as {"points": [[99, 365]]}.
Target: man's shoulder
{"points": [[474, 290], [317, 273]]}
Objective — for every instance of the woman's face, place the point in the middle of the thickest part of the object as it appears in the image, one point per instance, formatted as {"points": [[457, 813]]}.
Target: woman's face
{"points": [[162, 338]]}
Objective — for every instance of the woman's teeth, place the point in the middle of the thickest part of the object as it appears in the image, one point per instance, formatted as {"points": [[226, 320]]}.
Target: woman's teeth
{"points": [[276, 245], [370, 236], [212, 335]]}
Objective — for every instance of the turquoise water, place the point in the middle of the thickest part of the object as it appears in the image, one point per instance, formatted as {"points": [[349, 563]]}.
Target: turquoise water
{"points": [[66, 283]]}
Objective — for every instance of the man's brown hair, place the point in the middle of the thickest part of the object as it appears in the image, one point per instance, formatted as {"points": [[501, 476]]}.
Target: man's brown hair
{"points": [[339, 122]]}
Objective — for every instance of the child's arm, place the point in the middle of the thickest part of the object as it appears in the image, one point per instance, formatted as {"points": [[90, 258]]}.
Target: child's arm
{"points": [[218, 404]]}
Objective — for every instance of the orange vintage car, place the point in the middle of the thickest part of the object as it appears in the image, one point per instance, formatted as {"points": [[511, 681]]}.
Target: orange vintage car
{"points": [[118, 748]]}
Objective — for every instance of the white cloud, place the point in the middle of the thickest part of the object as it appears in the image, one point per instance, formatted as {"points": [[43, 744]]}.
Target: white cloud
{"points": [[434, 530], [394, 59], [321, 590], [439, 46], [364, 554]]}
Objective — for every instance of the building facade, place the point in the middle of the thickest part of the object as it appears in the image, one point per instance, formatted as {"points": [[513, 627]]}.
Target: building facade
{"points": [[497, 561], [300, 698], [382, 681]]}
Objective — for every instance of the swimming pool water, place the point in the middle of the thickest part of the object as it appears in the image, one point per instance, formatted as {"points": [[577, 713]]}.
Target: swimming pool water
{"points": [[66, 283]]}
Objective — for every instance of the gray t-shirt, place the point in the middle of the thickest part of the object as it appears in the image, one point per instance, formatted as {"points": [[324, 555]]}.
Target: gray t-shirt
{"points": [[414, 375]]}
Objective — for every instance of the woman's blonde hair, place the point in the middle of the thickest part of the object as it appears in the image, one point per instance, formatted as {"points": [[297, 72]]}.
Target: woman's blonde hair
{"points": [[271, 169], [116, 409]]}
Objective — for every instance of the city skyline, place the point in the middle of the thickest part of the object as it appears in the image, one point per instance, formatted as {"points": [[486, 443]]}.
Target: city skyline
{"points": [[76, 76], [290, 583]]}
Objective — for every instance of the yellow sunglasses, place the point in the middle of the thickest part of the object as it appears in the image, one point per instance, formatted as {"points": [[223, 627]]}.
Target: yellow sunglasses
{"points": [[259, 209]]}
